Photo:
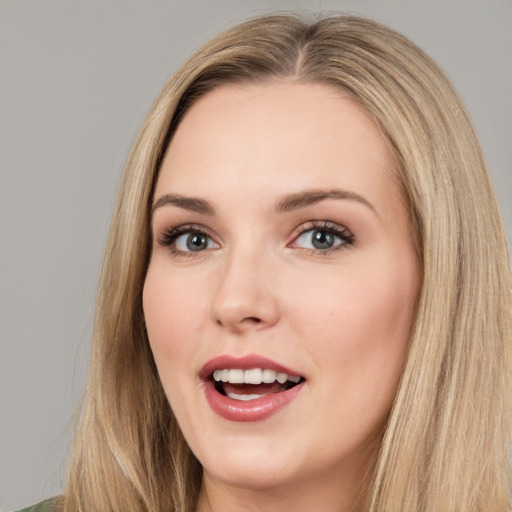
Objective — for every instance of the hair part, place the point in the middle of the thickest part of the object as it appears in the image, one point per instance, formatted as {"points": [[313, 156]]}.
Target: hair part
{"points": [[444, 446]]}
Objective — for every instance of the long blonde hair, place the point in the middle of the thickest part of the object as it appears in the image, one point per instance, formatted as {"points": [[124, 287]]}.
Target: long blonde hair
{"points": [[445, 443]]}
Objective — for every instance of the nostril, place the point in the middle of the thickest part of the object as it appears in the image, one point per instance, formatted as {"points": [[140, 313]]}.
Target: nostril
{"points": [[252, 320], [246, 322]]}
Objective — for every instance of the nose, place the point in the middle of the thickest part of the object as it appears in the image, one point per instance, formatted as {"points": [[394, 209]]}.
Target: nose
{"points": [[245, 296]]}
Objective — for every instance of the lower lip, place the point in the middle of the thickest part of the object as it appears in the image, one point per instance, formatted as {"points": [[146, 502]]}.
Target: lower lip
{"points": [[258, 409]]}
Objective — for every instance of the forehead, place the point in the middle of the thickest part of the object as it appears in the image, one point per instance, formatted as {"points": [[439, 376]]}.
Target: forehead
{"points": [[256, 137]]}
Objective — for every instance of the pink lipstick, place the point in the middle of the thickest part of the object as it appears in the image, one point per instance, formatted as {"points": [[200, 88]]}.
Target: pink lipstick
{"points": [[249, 388]]}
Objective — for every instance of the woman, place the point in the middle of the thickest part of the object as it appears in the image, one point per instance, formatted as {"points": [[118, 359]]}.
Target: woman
{"points": [[306, 299]]}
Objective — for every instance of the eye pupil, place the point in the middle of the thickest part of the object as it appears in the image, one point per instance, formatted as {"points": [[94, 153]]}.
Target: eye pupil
{"points": [[196, 242], [322, 239]]}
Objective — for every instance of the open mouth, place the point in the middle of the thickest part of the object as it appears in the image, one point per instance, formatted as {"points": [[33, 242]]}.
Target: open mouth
{"points": [[253, 383], [250, 388]]}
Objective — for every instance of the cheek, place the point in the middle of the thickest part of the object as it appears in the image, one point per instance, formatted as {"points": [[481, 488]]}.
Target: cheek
{"points": [[360, 321], [174, 321]]}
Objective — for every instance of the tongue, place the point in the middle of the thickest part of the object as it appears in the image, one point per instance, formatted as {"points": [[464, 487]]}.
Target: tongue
{"points": [[253, 389]]}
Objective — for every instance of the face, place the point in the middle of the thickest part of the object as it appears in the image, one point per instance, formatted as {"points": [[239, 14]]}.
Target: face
{"points": [[282, 283]]}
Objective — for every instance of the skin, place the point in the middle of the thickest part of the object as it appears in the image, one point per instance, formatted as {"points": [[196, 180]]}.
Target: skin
{"points": [[341, 318]]}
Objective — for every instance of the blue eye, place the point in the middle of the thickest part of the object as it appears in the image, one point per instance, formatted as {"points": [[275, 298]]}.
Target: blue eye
{"points": [[187, 240], [324, 238], [194, 241]]}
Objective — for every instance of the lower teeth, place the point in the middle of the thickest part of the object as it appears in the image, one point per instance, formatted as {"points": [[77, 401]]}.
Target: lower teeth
{"points": [[243, 398]]}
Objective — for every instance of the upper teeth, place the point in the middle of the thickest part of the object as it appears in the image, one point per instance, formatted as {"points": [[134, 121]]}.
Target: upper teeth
{"points": [[253, 376]]}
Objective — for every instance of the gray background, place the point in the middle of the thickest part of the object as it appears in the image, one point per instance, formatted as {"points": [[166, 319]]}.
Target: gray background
{"points": [[76, 79]]}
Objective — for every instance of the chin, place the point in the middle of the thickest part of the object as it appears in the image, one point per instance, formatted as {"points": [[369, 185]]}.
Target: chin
{"points": [[254, 477], [252, 466]]}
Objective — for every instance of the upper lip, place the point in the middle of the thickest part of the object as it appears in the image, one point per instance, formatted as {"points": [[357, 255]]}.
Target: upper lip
{"points": [[247, 362]]}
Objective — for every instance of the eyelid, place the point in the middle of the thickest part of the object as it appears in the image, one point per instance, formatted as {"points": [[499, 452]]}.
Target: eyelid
{"points": [[338, 230], [168, 236], [321, 224]]}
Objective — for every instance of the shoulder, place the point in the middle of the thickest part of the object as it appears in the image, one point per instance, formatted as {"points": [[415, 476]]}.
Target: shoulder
{"points": [[45, 506]]}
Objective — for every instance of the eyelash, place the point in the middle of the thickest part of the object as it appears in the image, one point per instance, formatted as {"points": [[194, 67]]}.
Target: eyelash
{"points": [[169, 237], [343, 233]]}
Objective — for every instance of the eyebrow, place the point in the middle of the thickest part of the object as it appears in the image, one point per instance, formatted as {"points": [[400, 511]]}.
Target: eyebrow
{"points": [[309, 197], [287, 203], [193, 204]]}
